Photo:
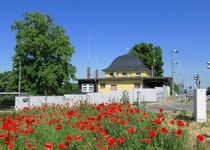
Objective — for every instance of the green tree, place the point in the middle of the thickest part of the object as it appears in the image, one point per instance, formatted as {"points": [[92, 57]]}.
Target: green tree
{"points": [[177, 88], [150, 55], [44, 51], [6, 82]]}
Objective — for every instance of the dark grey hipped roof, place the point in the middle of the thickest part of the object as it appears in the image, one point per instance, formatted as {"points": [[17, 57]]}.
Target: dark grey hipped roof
{"points": [[126, 62]]}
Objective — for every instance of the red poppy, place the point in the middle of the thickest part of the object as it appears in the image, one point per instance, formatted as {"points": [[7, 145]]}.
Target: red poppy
{"points": [[48, 146], [117, 119], [163, 130], [200, 138], [146, 141], [158, 122], [7, 124], [110, 141], [137, 110], [98, 117], [98, 125], [124, 123], [7, 140], [28, 131], [102, 131], [137, 120], [120, 140], [82, 128], [2, 136], [171, 122], [100, 146], [61, 145], [144, 115], [10, 146], [69, 138], [91, 128], [28, 145], [78, 138], [106, 137], [159, 116], [131, 130], [161, 110], [180, 123], [152, 134], [111, 120], [58, 127], [178, 131]]}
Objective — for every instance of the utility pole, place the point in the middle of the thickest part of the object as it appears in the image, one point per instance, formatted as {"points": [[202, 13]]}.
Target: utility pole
{"points": [[19, 87], [152, 71]]}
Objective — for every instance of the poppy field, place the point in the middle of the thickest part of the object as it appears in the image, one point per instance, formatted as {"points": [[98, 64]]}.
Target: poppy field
{"points": [[93, 126]]}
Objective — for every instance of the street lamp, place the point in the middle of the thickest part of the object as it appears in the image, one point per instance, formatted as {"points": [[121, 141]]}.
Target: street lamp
{"points": [[208, 64], [173, 52]]}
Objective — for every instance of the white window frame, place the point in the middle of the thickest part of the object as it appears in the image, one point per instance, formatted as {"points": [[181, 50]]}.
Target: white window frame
{"points": [[88, 86], [113, 74], [139, 73]]}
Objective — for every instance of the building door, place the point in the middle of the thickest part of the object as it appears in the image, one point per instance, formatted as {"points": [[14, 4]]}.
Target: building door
{"points": [[113, 87]]}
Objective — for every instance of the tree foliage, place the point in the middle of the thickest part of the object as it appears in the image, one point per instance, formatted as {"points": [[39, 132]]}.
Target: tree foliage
{"points": [[44, 51], [6, 82], [150, 55], [177, 88], [208, 90]]}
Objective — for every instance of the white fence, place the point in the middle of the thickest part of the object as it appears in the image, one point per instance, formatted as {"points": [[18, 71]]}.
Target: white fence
{"points": [[149, 95], [30, 101]]}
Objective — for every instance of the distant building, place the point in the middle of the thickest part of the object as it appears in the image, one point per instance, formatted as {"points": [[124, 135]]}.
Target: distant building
{"points": [[126, 72]]}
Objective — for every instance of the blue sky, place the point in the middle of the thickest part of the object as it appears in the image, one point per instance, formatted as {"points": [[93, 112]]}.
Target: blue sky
{"points": [[111, 26]]}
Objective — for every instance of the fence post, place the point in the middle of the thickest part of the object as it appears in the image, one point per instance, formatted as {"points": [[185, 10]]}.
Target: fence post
{"points": [[199, 112], [45, 99], [29, 102], [139, 98]]}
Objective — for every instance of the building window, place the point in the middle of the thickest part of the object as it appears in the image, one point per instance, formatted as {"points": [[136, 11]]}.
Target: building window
{"points": [[125, 74], [87, 88], [112, 74], [113, 87], [136, 85], [138, 73], [102, 85]]}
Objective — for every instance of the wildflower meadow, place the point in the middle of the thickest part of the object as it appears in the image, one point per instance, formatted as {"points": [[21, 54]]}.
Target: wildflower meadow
{"points": [[93, 126]]}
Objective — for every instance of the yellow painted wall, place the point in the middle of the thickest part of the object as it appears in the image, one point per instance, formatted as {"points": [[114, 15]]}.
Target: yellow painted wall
{"points": [[107, 74], [145, 74], [130, 74], [121, 85]]}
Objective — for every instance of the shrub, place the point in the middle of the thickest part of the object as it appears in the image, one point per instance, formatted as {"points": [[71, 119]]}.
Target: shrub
{"points": [[125, 97]]}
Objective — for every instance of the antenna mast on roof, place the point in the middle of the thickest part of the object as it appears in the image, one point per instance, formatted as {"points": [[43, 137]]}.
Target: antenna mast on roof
{"points": [[88, 50], [88, 68]]}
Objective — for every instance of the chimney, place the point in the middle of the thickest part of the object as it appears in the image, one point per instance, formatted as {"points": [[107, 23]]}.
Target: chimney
{"points": [[88, 72], [96, 74]]}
